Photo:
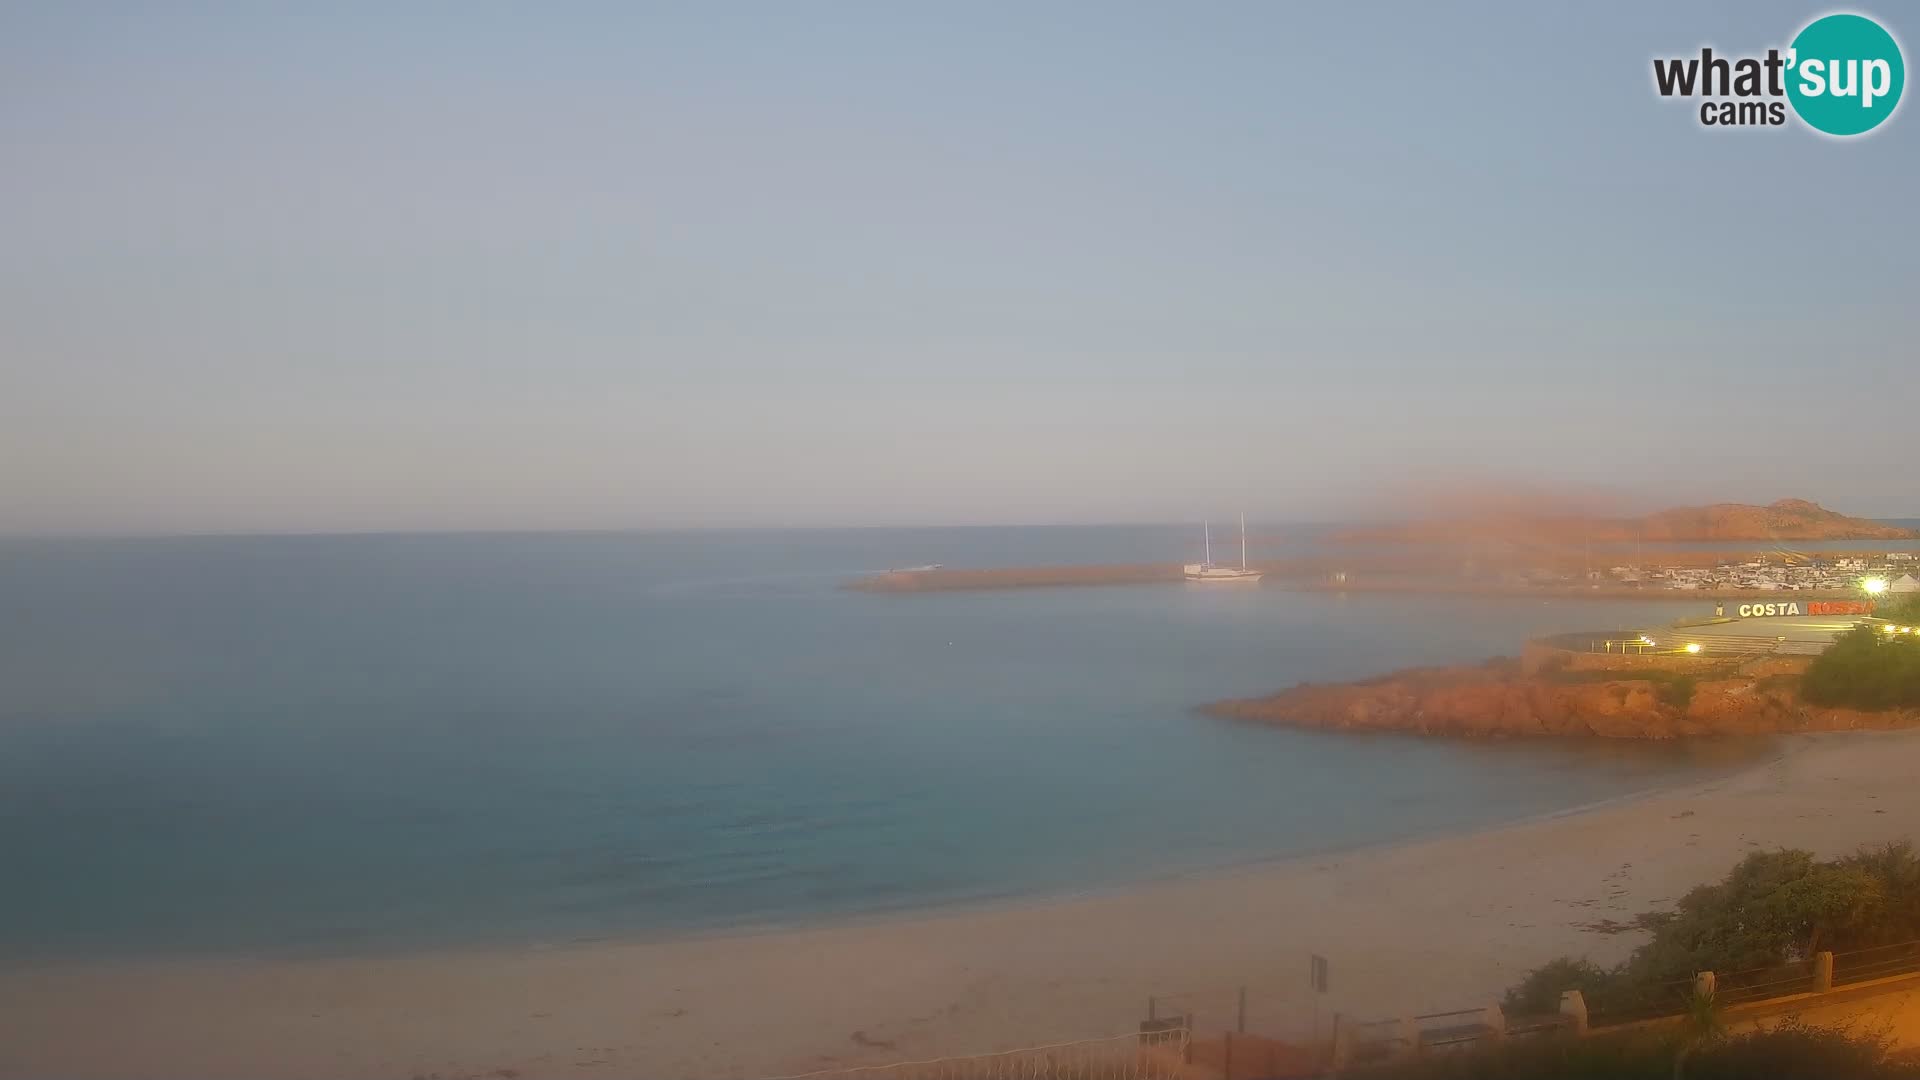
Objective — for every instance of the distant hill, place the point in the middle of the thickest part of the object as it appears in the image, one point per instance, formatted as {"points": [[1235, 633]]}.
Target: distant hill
{"points": [[1788, 519]]}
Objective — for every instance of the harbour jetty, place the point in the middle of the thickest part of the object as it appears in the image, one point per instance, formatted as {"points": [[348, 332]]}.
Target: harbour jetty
{"points": [[1017, 577], [1307, 575], [1677, 574]]}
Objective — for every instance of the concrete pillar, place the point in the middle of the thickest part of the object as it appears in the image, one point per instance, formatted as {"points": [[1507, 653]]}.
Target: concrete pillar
{"points": [[1496, 1021], [1573, 1006], [1822, 972]]}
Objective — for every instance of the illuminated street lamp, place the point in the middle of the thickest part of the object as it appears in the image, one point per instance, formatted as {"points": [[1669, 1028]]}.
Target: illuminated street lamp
{"points": [[1874, 585]]}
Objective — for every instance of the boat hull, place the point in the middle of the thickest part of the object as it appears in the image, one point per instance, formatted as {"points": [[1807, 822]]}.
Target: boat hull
{"points": [[1220, 575]]}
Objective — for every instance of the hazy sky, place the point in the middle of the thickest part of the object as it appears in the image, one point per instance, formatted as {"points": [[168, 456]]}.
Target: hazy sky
{"points": [[570, 265]]}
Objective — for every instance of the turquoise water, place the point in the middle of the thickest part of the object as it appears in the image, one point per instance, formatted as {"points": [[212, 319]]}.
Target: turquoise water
{"points": [[335, 744]]}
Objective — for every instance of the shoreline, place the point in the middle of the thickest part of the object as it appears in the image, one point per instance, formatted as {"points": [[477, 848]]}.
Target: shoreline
{"points": [[1778, 746], [1428, 923]]}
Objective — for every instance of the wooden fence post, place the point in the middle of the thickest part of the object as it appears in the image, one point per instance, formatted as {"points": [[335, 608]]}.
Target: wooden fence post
{"points": [[1342, 1050], [1409, 1037]]}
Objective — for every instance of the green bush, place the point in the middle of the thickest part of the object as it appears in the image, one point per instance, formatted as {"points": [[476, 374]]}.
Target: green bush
{"points": [[1676, 691], [1774, 908], [1866, 669], [1673, 688], [1796, 1051], [1903, 609], [1788, 1051], [1601, 1058], [1539, 993]]}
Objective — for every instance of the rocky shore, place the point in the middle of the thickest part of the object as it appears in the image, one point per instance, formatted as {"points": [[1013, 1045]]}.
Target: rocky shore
{"points": [[1496, 699]]}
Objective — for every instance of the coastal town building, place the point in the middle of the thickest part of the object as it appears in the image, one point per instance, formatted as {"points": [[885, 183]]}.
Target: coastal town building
{"points": [[1839, 573]]}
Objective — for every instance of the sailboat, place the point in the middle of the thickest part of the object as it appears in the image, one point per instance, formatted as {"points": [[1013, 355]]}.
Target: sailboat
{"points": [[1209, 573]]}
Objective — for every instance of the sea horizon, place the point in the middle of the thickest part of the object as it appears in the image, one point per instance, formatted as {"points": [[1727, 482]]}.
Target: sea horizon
{"points": [[1912, 522]]}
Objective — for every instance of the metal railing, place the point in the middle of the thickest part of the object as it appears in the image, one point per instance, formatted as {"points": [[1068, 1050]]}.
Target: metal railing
{"points": [[1243, 1009], [1163, 1047], [1766, 983], [1654, 1003], [1879, 962], [1158, 1055], [1759, 984]]}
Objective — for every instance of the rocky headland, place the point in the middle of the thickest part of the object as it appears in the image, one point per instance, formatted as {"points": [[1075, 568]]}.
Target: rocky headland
{"points": [[1783, 520], [1498, 699]]}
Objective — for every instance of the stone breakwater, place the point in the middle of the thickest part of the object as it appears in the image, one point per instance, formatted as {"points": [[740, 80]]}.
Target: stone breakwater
{"points": [[1497, 699]]}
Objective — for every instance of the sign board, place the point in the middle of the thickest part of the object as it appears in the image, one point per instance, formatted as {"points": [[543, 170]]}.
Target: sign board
{"points": [[1317, 973], [1840, 607], [1810, 607]]}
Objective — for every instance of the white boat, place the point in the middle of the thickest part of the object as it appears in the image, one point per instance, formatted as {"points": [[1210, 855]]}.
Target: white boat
{"points": [[1209, 573]]}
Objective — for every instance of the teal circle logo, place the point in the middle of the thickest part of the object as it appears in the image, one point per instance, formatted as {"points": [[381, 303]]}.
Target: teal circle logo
{"points": [[1845, 74]]}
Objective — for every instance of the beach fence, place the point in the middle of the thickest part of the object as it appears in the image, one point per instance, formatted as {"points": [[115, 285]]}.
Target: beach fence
{"points": [[1222, 1008], [1242, 1033], [1284, 1012], [1885, 961], [1247, 1033], [1825, 978], [1159, 1054], [1822, 973], [1373, 1042]]}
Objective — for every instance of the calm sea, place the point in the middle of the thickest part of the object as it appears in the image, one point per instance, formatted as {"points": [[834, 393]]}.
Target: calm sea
{"points": [[332, 744]]}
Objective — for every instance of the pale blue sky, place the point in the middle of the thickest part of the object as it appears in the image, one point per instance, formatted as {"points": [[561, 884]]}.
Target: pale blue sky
{"points": [[552, 266]]}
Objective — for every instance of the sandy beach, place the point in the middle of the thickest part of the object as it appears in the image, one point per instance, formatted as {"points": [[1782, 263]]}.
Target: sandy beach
{"points": [[1435, 924]]}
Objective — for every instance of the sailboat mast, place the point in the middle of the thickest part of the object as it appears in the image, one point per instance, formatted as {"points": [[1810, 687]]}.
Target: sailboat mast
{"points": [[1206, 530], [1243, 539]]}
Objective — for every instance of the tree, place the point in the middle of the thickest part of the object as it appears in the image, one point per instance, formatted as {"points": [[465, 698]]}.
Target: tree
{"points": [[1896, 867], [1901, 608], [1772, 909], [1699, 1027], [1539, 993], [1787, 1051], [1866, 669]]}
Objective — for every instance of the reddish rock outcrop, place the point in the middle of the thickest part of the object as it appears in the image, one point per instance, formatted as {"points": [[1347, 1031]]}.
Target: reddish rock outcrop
{"points": [[1494, 700]]}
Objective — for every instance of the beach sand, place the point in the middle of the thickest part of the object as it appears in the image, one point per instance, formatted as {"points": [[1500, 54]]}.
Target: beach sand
{"points": [[1424, 926]]}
